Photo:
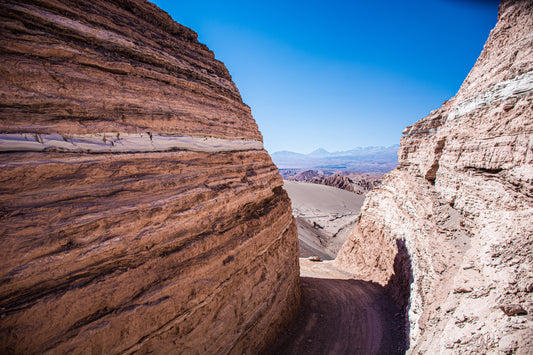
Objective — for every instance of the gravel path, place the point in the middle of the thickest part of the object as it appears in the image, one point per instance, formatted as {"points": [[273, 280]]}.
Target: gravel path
{"points": [[341, 316]]}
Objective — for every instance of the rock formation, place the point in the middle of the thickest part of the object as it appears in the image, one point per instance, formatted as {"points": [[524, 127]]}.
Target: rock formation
{"points": [[450, 231], [139, 211], [360, 183], [306, 175]]}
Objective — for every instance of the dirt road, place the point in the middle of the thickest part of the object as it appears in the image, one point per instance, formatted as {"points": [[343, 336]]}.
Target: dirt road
{"points": [[341, 316]]}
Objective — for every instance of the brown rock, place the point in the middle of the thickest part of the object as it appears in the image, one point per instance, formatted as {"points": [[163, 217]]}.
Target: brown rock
{"points": [[174, 234], [305, 175], [458, 208], [360, 183], [463, 289], [513, 309], [86, 67], [340, 182]]}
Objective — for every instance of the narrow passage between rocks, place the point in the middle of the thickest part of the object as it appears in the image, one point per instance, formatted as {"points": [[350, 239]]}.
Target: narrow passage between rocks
{"points": [[339, 315]]}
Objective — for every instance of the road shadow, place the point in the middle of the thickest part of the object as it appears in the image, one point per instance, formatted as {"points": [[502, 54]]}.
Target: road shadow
{"points": [[399, 285], [339, 316]]}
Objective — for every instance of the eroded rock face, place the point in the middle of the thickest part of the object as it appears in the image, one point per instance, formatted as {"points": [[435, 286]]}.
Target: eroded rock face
{"points": [[450, 230], [138, 209]]}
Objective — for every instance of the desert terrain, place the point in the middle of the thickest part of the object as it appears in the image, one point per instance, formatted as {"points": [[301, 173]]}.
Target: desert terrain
{"points": [[141, 213], [338, 314], [360, 183], [325, 216]]}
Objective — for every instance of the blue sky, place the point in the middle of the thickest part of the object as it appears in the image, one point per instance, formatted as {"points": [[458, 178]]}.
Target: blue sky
{"points": [[340, 74]]}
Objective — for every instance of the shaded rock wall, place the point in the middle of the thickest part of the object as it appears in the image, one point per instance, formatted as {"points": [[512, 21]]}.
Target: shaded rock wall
{"points": [[138, 209], [450, 230]]}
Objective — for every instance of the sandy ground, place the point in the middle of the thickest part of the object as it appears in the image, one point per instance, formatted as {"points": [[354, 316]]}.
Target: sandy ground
{"points": [[325, 216], [340, 315]]}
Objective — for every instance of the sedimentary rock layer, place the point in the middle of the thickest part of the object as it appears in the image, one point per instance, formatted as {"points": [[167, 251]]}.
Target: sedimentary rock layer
{"points": [[116, 142], [138, 209], [114, 66], [450, 230]]}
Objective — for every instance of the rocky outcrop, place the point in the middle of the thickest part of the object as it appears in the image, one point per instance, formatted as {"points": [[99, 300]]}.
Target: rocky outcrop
{"points": [[360, 183], [139, 211], [450, 231], [340, 182], [306, 175]]}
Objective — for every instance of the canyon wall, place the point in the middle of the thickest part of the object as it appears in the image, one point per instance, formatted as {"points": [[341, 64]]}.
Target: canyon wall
{"points": [[450, 231], [139, 211]]}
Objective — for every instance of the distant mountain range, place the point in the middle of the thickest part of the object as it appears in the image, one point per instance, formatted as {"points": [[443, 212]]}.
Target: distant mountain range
{"points": [[361, 159]]}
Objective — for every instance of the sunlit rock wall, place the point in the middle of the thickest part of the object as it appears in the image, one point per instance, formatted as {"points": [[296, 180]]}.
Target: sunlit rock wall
{"points": [[139, 211], [450, 231]]}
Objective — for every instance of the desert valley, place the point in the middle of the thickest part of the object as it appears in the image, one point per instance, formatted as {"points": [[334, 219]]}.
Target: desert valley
{"points": [[140, 212]]}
